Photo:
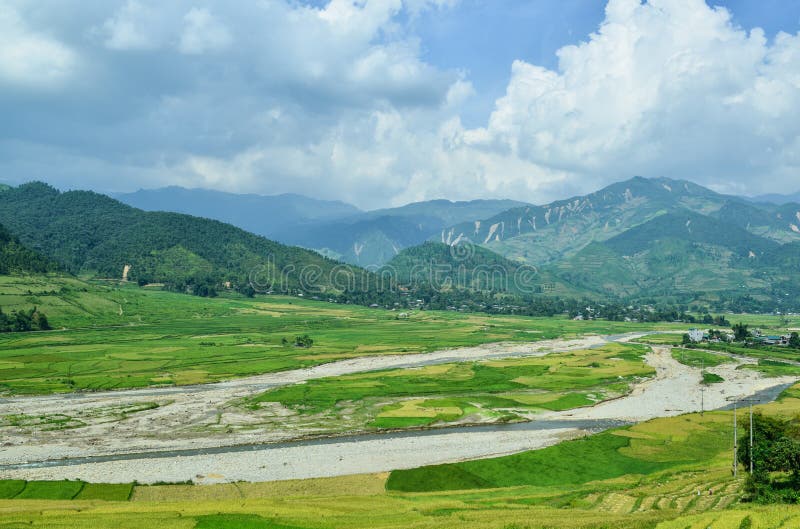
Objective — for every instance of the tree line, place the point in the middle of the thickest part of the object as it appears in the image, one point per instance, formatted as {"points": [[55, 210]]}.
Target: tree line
{"points": [[23, 320]]}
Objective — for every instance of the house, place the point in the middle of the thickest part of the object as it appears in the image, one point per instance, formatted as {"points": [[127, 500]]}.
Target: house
{"points": [[696, 335]]}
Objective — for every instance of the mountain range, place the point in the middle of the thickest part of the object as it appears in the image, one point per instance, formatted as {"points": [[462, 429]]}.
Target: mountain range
{"points": [[335, 229], [774, 198], [655, 240]]}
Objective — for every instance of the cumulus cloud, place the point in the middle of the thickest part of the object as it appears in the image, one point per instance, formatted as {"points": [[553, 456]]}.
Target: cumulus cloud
{"points": [[31, 58], [339, 101], [667, 87]]}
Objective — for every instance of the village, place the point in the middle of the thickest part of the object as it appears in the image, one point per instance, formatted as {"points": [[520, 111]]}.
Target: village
{"points": [[755, 337]]}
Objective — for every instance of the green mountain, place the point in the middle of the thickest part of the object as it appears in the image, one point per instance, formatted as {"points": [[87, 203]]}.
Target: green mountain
{"points": [[17, 259], [457, 266], [682, 255], [94, 235], [472, 267], [545, 234]]}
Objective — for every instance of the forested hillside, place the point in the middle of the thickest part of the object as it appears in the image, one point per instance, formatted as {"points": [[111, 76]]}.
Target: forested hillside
{"points": [[93, 235], [16, 258]]}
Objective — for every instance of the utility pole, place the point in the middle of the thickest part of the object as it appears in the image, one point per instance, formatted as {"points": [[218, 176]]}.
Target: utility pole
{"points": [[735, 401], [749, 401], [702, 400], [735, 444], [751, 437], [702, 387]]}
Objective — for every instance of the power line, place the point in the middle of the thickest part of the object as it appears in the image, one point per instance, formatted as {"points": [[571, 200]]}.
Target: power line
{"points": [[749, 401]]}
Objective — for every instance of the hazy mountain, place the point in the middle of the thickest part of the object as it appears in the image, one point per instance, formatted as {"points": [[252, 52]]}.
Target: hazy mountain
{"points": [[92, 234], [270, 216], [373, 238], [333, 228], [775, 198]]}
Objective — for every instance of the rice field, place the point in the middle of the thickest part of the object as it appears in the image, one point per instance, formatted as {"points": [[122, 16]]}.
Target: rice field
{"points": [[128, 337]]}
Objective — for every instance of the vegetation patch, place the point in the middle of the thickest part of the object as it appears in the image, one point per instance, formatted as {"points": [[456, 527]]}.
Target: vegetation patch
{"points": [[711, 378], [114, 337], [237, 521], [699, 358], [10, 488], [638, 450], [50, 490]]}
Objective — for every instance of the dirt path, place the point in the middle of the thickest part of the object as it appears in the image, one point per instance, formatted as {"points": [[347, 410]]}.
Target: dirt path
{"points": [[674, 390]]}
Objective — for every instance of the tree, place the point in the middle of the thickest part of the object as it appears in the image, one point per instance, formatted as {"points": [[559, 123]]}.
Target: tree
{"points": [[741, 332], [794, 340], [686, 339], [303, 341], [776, 449]]}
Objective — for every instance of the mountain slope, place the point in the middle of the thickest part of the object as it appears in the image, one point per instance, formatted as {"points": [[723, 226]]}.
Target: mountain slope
{"points": [[17, 259], [676, 254], [375, 237], [95, 235], [459, 266], [545, 234], [270, 216]]}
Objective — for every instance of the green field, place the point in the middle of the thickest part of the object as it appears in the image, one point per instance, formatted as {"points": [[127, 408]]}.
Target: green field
{"points": [[110, 338], [642, 477], [493, 390]]}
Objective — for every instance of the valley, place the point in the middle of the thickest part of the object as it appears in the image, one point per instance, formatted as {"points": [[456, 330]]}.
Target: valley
{"points": [[193, 391]]}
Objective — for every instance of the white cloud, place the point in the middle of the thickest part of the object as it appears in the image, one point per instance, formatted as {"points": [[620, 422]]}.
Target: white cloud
{"points": [[340, 101], [202, 33], [31, 58], [668, 87], [135, 26]]}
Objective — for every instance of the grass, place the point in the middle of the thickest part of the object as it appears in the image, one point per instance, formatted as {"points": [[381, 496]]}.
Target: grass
{"points": [[641, 449], [711, 378], [568, 463], [50, 490], [699, 358], [10, 488], [237, 521], [128, 337], [774, 368], [64, 490], [496, 390]]}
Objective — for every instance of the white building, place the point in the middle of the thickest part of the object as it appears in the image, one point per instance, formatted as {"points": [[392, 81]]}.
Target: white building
{"points": [[696, 335]]}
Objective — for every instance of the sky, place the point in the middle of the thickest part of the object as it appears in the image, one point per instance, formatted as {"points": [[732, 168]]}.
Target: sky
{"points": [[384, 102]]}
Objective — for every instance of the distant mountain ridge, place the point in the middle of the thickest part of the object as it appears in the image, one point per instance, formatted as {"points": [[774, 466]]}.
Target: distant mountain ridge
{"points": [[267, 215], [333, 228], [775, 198], [375, 237], [544, 234]]}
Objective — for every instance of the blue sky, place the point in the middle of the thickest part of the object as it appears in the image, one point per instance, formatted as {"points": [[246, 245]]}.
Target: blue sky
{"points": [[380, 102]]}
